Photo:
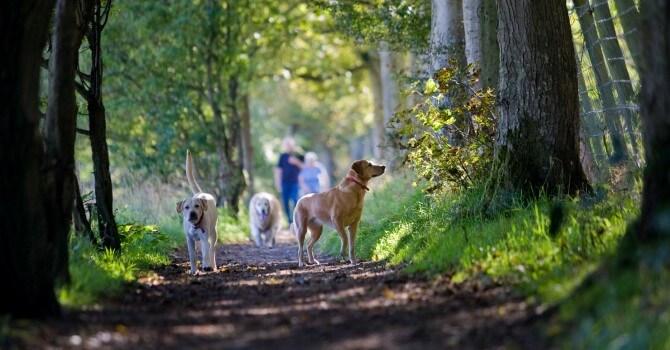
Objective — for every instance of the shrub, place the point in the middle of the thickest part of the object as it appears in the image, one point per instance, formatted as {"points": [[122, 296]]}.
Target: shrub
{"points": [[448, 136]]}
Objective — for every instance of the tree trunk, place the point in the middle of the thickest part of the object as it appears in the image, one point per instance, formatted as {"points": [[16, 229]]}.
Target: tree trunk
{"points": [[247, 147], [490, 48], [620, 79], [82, 226], [389, 90], [473, 34], [447, 36], [109, 233], [25, 255], [60, 126], [231, 180], [372, 61], [589, 132], [592, 43], [538, 143], [651, 228], [629, 16]]}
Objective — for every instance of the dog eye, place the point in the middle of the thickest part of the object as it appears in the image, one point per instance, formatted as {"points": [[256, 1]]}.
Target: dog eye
{"points": [[187, 207]]}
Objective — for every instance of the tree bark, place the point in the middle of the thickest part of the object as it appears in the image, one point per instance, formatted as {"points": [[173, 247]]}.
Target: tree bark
{"points": [[372, 61], [473, 34], [651, 228], [82, 226], [490, 48], [538, 142], [247, 147], [629, 17], [109, 233], [60, 125], [589, 131], [447, 36], [389, 90], [592, 43], [620, 79], [25, 255]]}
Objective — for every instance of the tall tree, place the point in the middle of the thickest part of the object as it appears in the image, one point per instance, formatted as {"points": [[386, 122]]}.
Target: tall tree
{"points": [[490, 48], [594, 49], [538, 141], [473, 32], [388, 63], [372, 63], [26, 258], [629, 16], [60, 125], [620, 79], [109, 233], [447, 36], [651, 228]]}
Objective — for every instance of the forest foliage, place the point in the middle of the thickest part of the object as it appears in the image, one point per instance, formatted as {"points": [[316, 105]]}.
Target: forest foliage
{"points": [[194, 74]]}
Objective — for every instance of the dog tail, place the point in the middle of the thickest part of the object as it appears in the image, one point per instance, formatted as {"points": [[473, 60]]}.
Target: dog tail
{"points": [[189, 174]]}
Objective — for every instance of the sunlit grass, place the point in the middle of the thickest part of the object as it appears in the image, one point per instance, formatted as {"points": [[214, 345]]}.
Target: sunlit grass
{"points": [[435, 236], [150, 228]]}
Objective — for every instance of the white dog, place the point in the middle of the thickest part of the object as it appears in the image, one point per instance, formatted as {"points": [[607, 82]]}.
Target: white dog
{"points": [[264, 218], [200, 218]]}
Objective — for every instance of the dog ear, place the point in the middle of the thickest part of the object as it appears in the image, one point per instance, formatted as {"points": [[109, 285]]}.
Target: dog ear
{"points": [[203, 203], [180, 206], [359, 167]]}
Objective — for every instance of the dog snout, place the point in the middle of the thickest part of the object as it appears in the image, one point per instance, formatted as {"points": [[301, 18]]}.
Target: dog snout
{"points": [[193, 216]]}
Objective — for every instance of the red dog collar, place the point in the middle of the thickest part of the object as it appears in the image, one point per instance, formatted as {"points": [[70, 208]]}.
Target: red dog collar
{"points": [[197, 225], [358, 183]]}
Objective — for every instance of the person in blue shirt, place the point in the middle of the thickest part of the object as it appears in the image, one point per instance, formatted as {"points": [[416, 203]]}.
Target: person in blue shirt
{"points": [[286, 176], [313, 177]]}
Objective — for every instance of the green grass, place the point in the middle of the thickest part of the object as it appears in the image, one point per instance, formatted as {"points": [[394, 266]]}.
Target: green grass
{"points": [[434, 236], [438, 235], [98, 274], [624, 309]]}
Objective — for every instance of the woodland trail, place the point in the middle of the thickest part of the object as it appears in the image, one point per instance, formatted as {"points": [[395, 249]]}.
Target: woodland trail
{"points": [[259, 299]]}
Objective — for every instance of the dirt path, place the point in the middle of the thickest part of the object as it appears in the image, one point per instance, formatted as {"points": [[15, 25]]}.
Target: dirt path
{"points": [[259, 300]]}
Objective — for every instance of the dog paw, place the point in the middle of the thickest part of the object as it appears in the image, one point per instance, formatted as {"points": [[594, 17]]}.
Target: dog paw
{"points": [[353, 261], [193, 272]]}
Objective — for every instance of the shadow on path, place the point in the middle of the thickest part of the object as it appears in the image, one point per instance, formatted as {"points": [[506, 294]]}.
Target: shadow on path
{"points": [[259, 299]]}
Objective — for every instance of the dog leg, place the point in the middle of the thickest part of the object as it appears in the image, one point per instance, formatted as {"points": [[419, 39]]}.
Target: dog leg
{"points": [[212, 248], [352, 243], [206, 256], [344, 242], [344, 245], [300, 232], [256, 234], [315, 231], [191, 255], [270, 237]]}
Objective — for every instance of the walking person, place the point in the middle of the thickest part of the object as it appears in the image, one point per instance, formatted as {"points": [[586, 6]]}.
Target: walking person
{"points": [[313, 177], [286, 176]]}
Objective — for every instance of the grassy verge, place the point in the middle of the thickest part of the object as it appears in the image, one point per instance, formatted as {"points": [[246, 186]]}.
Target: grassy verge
{"points": [[97, 274], [519, 246]]}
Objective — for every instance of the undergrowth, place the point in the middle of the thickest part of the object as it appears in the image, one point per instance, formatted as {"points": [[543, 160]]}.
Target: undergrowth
{"points": [[97, 273], [519, 246]]}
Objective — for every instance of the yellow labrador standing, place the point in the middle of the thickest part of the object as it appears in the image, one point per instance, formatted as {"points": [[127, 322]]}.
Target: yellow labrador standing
{"points": [[264, 218], [200, 218], [338, 208]]}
